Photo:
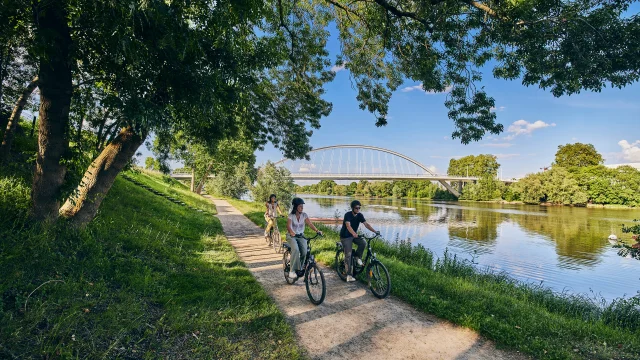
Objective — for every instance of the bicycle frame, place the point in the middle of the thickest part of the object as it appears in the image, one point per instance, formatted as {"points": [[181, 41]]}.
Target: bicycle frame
{"points": [[371, 256]]}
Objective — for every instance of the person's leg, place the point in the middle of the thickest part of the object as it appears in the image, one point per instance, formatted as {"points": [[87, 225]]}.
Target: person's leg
{"points": [[362, 244], [295, 254], [302, 247], [347, 244], [269, 221]]}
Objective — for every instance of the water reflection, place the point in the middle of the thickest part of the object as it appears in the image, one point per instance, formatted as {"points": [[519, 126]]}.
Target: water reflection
{"points": [[566, 248]]}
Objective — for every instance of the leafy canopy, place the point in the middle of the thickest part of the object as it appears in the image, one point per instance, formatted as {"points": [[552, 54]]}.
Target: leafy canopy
{"points": [[578, 155]]}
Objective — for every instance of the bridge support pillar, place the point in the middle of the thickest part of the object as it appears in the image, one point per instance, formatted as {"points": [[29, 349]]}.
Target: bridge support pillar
{"points": [[460, 185], [193, 180]]}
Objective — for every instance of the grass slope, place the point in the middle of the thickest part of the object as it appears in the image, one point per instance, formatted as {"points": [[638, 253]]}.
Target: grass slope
{"points": [[527, 318], [147, 279]]}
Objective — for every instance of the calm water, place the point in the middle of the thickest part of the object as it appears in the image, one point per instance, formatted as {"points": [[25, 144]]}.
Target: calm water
{"points": [[565, 248]]}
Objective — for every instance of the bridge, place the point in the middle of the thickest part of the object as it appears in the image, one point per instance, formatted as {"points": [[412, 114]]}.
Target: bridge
{"points": [[364, 162], [361, 162]]}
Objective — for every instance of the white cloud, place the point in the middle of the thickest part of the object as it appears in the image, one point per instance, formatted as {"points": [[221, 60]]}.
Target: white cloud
{"points": [[523, 127], [433, 169], [498, 145], [506, 156], [499, 108], [419, 88], [446, 138], [630, 151], [338, 68]]}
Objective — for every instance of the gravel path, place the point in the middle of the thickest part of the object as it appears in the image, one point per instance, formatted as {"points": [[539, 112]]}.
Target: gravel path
{"points": [[351, 323]]}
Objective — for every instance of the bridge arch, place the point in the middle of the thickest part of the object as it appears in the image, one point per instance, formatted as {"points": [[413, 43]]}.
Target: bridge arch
{"points": [[373, 149]]}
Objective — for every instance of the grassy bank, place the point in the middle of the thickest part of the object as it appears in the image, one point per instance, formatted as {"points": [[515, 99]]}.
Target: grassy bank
{"points": [[147, 279], [527, 318]]}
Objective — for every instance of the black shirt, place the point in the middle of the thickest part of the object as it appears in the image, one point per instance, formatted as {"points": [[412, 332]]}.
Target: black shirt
{"points": [[355, 221]]}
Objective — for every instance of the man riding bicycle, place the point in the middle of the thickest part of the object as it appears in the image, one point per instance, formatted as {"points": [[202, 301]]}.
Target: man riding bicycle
{"points": [[270, 215], [349, 235]]}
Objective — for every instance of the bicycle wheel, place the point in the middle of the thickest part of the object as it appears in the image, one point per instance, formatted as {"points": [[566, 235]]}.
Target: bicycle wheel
{"points": [[277, 242], [286, 266], [340, 267], [316, 287], [379, 280]]}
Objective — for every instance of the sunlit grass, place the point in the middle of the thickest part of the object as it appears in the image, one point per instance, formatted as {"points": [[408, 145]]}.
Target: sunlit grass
{"points": [[146, 279], [532, 319]]}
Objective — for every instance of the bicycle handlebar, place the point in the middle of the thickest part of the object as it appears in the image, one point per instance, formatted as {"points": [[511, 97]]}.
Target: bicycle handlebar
{"points": [[306, 238], [370, 238]]}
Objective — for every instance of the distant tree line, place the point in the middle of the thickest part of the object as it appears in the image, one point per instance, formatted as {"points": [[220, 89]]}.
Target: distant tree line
{"points": [[398, 189], [577, 177]]}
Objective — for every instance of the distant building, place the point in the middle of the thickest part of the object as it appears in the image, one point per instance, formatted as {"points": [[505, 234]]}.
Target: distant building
{"points": [[634, 165]]}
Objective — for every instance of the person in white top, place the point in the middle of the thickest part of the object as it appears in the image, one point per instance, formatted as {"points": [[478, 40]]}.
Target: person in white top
{"points": [[270, 214], [295, 225]]}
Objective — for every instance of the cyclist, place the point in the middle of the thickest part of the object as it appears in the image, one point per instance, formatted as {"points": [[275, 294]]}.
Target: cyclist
{"points": [[295, 225], [349, 235], [270, 214]]}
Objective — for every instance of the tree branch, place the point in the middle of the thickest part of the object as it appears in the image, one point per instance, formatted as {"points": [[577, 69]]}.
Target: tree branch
{"points": [[399, 13]]}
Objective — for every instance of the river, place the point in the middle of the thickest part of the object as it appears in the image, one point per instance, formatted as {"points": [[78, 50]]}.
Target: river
{"points": [[563, 248]]}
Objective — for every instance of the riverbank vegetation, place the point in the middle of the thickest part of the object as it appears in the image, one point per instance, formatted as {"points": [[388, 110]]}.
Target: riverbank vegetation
{"points": [[148, 278], [399, 189], [576, 178], [524, 317]]}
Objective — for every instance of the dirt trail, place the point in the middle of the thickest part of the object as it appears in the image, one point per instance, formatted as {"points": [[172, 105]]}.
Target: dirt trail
{"points": [[351, 323]]}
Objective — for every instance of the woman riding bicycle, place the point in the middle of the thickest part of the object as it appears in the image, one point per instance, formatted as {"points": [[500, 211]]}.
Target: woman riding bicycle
{"points": [[349, 235], [295, 225], [270, 215]]}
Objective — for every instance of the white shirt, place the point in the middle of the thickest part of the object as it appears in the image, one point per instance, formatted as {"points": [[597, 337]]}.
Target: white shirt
{"points": [[271, 209], [298, 225]]}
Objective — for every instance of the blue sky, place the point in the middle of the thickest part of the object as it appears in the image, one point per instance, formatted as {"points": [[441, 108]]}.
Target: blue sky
{"points": [[535, 124]]}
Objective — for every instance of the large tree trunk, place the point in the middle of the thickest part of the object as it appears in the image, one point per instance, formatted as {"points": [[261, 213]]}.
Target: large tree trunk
{"points": [[55, 99], [9, 133], [98, 179]]}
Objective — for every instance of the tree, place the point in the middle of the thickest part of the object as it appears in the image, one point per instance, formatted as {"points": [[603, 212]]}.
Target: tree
{"points": [[233, 183], [149, 163], [211, 70], [478, 166], [273, 179], [166, 65], [577, 155]]}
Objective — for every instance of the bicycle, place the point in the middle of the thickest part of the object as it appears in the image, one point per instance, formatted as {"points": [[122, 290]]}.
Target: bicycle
{"points": [[378, 276], [274, 238], [313, 276]]}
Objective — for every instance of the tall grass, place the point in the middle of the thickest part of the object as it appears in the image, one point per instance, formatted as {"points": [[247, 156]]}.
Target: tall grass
{"points": [[525, 317], [147, 279]]}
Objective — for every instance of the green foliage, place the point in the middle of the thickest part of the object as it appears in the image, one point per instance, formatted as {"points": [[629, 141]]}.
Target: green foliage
{"points": [[578, 186], [398, 189], [233, 183], [273, 179], [578, 155], [146, 279], [487, 188], [475, 166]]}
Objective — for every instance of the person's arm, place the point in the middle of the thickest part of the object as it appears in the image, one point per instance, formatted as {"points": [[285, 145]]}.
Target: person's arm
{"points": [[266, 212], [313, 227], [366, 224], [289, 229], [347, 223], [279, 210]]}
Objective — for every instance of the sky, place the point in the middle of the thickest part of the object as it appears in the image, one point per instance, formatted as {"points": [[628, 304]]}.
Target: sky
{"points": [[535, 123]]}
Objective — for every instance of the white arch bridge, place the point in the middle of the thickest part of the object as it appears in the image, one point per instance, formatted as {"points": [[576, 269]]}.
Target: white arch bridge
{"points": [[364, 162]]}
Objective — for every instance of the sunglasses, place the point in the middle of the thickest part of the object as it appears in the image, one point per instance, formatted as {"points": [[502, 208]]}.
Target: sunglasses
{"points": [[356, 208]]}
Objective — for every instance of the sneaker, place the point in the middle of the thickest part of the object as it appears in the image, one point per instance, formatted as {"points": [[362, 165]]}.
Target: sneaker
{"points": [[358, 261], [350, 278], [292, 275]]}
